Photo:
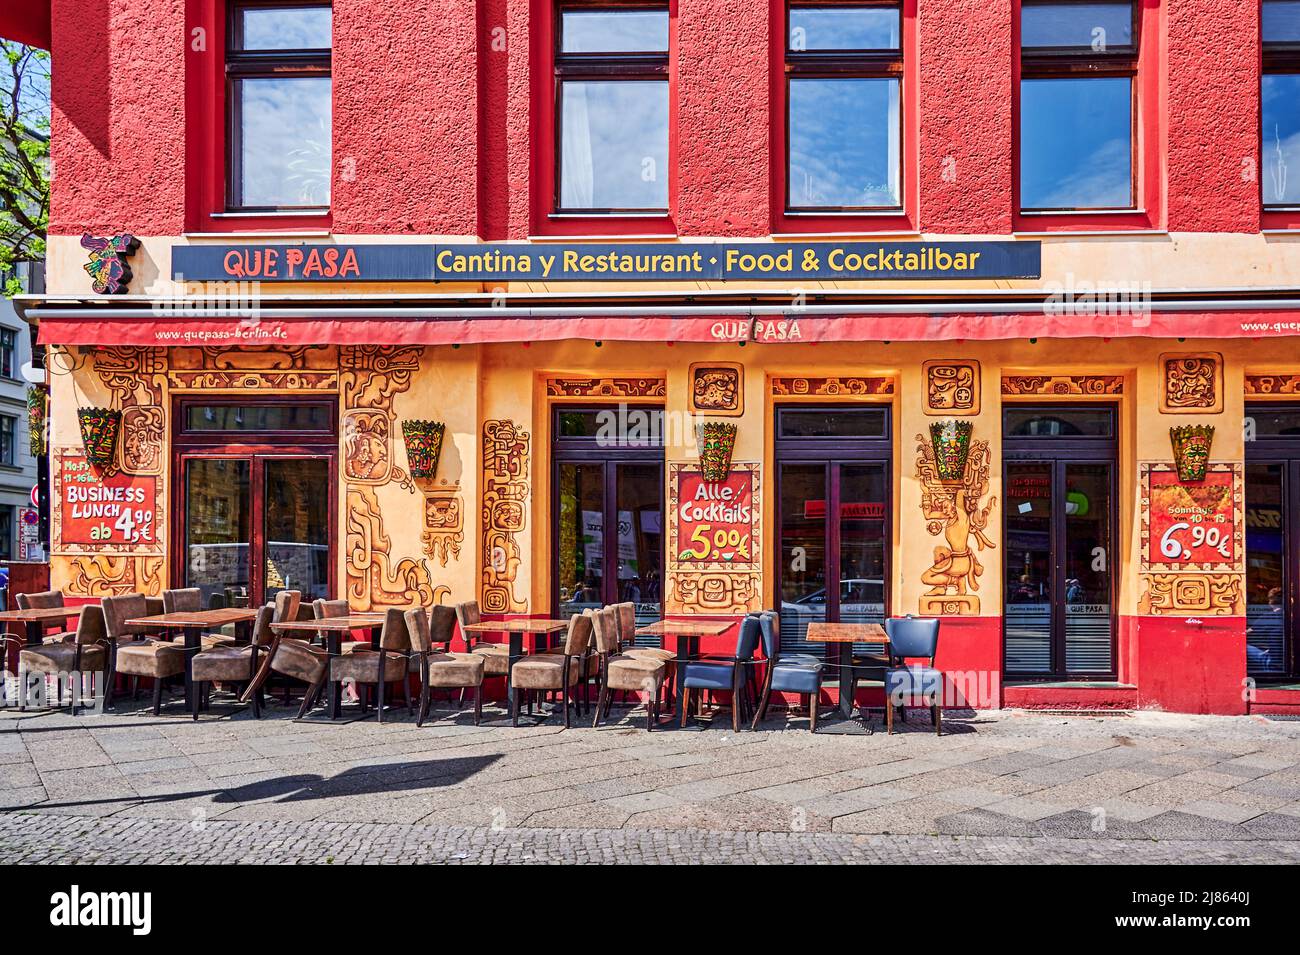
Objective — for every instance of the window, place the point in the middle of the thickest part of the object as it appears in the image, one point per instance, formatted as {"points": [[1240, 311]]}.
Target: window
{"points": [[1077, 114], [844, 66], [611, 67], [6, 533], [8, 346], [1280, 103], [262, 418], [8, 439], [279, 104]]}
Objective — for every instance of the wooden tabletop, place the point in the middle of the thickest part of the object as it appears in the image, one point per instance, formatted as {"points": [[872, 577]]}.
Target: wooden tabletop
{"points": [[520, 625], [845, 633], [197, 618], [686, 628], [356, 621], [40, 615]]}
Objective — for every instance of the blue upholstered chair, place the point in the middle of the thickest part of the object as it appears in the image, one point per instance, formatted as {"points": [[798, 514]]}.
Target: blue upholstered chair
{"points": [[909, 638], [731, 674], [793, 673]]}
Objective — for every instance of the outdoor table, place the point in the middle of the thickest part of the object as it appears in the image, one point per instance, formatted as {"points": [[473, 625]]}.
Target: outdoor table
{"points": [[333, 628], [193, 624], [839, 639], [688, 633], [515, 630], [34, 621]]}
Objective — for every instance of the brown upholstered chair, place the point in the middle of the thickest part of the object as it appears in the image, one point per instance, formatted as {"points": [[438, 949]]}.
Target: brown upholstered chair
{"points": [[132, 653], [86, 652], [627, 640], [286, 605], [190, 600], [296, 659], [549, 672], [232, 664], [325, 609], [588, 670], [439, 668], [496, 656], [619, 671], [388, 664], [56, 631]]}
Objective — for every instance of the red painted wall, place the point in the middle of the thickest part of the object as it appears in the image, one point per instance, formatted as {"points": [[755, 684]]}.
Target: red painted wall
{"points": [[1186, 667], [26, 21], [405, 117], [1213, 90], [966, 149], [118, 117]]}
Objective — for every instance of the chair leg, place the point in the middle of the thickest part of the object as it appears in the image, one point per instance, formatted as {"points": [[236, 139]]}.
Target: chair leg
{"points": [[812, 712], [194, 699], [936, 716], [257, 706], [157, 695], [135, 688], [761, 714], [889, 716], [600, 706], [379, 698], [652, 711], [406, 692], [514, 706], [478, 703], [424, 705], [565, 695], [685, 704]]}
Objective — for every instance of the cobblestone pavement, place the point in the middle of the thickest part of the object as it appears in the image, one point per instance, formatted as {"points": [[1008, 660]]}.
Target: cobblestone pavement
{"points": [[998, 786]]}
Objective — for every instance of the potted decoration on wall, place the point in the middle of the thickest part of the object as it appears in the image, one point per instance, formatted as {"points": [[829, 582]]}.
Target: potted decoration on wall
{"points": [[423, 446], [36, 402], [717, 442], [951, 441], [1192, 451], [99, 430]]}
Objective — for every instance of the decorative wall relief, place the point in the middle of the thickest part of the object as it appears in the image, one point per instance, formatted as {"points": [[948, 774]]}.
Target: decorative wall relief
{"points": [[717, 441], [717, 388], [109, 272], [1191, 446], [714, 541], [374, 577], [444, 523], [606, 387], [1059, 386], [367, 445], [423, 446], [952, 387], [104, 575], [253, 380], [1193, 384], [1218, 595], [800, 387], [952, 509], [134, 376], [504, 515], [1279, 385], [144, 433]]}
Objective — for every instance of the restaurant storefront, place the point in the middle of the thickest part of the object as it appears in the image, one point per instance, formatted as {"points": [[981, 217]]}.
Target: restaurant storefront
{"points": [[687, 330]]}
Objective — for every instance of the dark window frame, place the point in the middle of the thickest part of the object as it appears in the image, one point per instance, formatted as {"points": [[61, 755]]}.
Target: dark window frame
{"points": [[9, 353], [1282, 451], [1047, 63], [844, 64], [8, 440], [264, 64], [621, 67], [1277, 59], [200, 437]]}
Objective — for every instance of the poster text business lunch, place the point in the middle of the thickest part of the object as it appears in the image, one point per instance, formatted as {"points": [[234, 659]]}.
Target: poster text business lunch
{"points": [[546, 262]]}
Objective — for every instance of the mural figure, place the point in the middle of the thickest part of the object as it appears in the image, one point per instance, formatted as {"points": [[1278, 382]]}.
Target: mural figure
{"points": [[952, 509]]}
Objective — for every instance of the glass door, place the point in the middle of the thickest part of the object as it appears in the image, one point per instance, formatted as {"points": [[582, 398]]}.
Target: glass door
{"points": [[218, 527], [1273, 543], [608, 510], [1058, 617], [833, 519]]}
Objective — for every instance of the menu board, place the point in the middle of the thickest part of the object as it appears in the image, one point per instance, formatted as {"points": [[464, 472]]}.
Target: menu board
{"points": [[97, 510], [1193, 526], [715, 521]]}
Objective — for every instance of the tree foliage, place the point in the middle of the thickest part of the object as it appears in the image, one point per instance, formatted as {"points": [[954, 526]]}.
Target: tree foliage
{"points": [[24, 157]]}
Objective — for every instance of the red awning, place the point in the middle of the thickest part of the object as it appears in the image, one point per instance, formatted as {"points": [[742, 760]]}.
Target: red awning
{"points": [[109, 329], [26, 21]]}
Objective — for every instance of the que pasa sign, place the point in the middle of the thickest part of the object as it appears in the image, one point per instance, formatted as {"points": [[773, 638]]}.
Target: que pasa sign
{"points": [[609, 262]]}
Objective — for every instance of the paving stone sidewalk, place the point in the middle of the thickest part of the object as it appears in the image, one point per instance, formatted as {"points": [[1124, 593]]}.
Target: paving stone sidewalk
{"points": [[998, 786]]}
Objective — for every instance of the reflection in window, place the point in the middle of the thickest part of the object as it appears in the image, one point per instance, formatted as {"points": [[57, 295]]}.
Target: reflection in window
{"points": [[844, 143], [1076, 143], [1280, 104], [1092, 26], [843, 28], [612, 123], [281, 107]]}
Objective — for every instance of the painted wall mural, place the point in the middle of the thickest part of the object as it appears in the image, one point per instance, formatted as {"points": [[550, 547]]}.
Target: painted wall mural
{"points": [[1280, 385], [715, 539], [800, 387], [506, 462], [1218, 595], [953, 510], [606, 387], [1060, 386], [444, 523], [952, 387], [717, 388], [1193, 384]]}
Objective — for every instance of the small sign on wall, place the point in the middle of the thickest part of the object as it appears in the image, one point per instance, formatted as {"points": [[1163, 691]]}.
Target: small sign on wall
{"points": [[96, 511], [1192, 526]]}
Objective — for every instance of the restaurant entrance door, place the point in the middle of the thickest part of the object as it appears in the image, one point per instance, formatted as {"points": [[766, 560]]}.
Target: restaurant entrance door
{"points": [[608, 520], [1060, 516], [833, 494], [1273, 543], [257, 489]]}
